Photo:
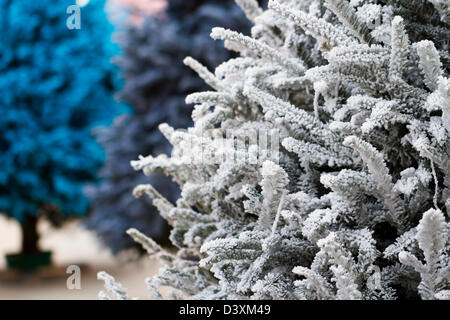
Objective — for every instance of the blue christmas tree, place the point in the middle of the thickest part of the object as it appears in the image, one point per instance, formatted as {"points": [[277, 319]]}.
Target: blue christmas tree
{"points": [[56, 84]]}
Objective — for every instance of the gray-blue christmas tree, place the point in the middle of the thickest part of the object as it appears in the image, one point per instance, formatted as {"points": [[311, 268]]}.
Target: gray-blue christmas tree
{"points": [[156, 83]]}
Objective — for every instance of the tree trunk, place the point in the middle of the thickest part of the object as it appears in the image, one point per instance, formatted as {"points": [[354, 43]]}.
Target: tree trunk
{"points": [[30, 235]]}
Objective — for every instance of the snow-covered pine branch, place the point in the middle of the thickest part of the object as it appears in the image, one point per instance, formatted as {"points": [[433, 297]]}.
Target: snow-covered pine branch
{"points": [[355, 95]]}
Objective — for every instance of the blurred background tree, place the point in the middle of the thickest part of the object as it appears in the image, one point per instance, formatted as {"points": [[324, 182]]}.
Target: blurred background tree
{"points": [[56, 84], [156, 84]]}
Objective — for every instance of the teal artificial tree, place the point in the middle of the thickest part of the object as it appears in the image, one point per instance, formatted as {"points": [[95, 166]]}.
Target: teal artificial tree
{"points": [[56, 84]]}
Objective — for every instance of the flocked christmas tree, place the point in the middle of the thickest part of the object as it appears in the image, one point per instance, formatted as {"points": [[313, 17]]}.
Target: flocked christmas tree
{"points": [[156, 84], [354, 203], [56, 83]]}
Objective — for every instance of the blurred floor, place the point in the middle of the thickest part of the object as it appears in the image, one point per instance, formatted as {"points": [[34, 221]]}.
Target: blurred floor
{"points": [[70, 245]]}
